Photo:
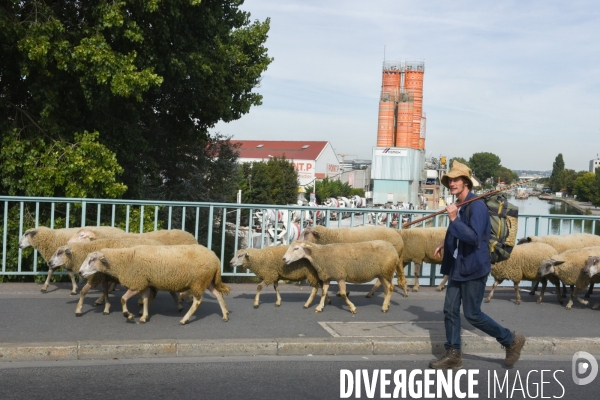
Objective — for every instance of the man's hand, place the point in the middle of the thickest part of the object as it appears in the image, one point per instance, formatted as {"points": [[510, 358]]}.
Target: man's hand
{"points": [[452, 211], [439, 251]]}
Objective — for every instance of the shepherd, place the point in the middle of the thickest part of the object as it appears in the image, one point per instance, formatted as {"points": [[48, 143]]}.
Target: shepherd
{"points": [[466, 261]]}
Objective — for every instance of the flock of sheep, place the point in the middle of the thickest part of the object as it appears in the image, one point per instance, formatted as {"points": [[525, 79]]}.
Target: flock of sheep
{"points": [[173, 261]]}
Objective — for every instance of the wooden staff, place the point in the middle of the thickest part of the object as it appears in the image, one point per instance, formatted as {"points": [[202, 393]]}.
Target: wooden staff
{"points": [[406, 225]]}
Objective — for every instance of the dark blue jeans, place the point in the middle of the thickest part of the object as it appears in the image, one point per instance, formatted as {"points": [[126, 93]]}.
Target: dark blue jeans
{"points": [[470, 294]]}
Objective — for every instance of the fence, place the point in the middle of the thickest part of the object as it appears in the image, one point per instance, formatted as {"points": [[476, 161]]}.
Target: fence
{"points": [[222, 227]]}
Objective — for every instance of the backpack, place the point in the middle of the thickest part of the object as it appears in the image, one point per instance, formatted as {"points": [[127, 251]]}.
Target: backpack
{"points": [[504, 219]]}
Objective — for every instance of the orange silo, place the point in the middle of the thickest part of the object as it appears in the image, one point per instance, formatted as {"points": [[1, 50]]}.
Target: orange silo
{"points": [[390, 85], [413, 84], [405, 120]]}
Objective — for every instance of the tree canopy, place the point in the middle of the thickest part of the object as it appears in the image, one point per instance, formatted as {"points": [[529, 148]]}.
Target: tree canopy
{"points": [[147, 77], [272, 182], [557, 167], [484, 165]]}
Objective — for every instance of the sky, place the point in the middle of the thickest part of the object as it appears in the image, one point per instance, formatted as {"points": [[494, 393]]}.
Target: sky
{"points": [[520, 79]]}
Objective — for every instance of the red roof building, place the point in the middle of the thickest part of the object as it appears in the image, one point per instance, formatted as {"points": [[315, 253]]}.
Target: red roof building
{"points": [[312, 159]]}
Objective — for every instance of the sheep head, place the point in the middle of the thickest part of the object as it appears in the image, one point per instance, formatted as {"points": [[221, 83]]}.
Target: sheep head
{"points": [[310, 234], [61, 256], [83, 235], [547, 267], [238, 259], [25, 240], [524, 240], [94, 262], [297, 251], [591, 265]]}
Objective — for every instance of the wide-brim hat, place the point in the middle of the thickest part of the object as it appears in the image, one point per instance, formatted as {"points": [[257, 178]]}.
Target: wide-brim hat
{"points": [[458, 169]]}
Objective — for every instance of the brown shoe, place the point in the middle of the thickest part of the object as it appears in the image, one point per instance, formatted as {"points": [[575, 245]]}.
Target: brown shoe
{"points": [[513, 352], [451, 360]]}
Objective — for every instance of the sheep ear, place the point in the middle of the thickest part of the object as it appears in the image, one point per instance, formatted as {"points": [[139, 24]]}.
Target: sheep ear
{"points": [[31, 232], [103, 260], [307, 246], [558, 262], [68, 251], [247, 255]]}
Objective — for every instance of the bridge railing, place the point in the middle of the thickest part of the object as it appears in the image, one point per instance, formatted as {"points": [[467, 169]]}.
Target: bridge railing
{"points": [[222, 227]]}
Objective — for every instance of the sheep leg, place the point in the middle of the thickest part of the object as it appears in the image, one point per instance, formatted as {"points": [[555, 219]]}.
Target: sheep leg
{"points": [[130, 293], [544, 284], [144, 295], [442, 284], [415, 287], [100, 300], [595, 306], [177, 301], [580, 300], [313, 293], [182, 296], [195, 303], [342, 285], [257, 297], [496, 283], [45, 285], [221, 301], [388, 287], [373, 289], [518, 300], [276, 287], [589, 292], [73, 283], [105, 287], [401, 279], [112, 286], [84, 290], [323, 295], [556, 282], [151, 296]]}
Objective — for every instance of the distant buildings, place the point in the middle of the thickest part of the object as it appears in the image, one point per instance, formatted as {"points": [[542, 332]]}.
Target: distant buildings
{"points": [[594, 164]]}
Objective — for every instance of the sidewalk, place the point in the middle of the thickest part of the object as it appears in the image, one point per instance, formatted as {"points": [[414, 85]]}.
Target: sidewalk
{"points": [[43, 326]]}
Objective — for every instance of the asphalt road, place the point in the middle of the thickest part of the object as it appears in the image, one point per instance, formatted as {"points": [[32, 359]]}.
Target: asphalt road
{"points": [[279, 378]]}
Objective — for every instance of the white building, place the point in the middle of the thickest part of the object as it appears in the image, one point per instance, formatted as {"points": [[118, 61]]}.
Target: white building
{"points": [[396, 172], [312, 159], [594, 164]]}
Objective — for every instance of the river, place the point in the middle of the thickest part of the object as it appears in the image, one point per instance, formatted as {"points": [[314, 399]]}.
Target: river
{"points": [[535, 206]]}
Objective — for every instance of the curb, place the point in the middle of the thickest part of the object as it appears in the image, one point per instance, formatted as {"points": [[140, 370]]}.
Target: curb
{"points": [[102, 350]]}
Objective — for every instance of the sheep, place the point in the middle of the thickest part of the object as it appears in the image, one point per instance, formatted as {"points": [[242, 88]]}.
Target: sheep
{"points": [[71, 256], [46, 241], [419, 247], [523, 264], [563, 243], [171, 268], [322, 235], [591, 269], [268, 265], [349, 262], [166, 237], [569, 266]]}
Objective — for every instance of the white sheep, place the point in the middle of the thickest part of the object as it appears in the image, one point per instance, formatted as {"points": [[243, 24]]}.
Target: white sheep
{"points": [[569, 267], [563, 243], [322, 235], [592, 268], [71, 256], [170, 268], [165, 236], [349, 262], [46, 241], [268, 265], [419, 247], [523, 264]]}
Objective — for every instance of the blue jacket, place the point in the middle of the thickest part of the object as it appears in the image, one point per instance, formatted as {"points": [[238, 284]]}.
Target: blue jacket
{"points": [[472, 230]]}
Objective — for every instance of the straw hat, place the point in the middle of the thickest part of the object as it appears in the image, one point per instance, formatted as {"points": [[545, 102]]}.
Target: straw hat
{"points": [[458, 169]]}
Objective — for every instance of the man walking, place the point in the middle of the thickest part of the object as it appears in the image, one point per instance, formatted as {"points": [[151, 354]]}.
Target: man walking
{"points": [[466, 261]]}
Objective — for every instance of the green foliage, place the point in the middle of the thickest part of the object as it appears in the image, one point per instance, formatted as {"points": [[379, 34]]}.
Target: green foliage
{"points": [[484, 165], [595, 190], [151, 76], [33, 167], [583, 186], [506, 175], [271, 182], [460, 160], [557, 167], [332, 188]]}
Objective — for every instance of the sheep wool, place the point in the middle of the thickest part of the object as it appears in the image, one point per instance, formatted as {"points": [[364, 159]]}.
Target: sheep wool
{"points": [[166, 236], [170, 268], [268, 265], [349, 262], [419, 247]]}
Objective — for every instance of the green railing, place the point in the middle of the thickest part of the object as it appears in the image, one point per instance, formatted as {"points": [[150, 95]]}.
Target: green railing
{"points": [[222, 227]]}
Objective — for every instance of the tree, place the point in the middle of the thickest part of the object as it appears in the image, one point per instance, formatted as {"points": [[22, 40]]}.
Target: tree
{"points": [[595, 190], [557, 167], [460, 160], [150, 76], [506, 175], [271, 182], [583, 186], [484, 165], [331, 188], [566, 179]]}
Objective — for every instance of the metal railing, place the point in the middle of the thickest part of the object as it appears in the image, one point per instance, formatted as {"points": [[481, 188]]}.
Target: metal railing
{"points": [[222, 227]]}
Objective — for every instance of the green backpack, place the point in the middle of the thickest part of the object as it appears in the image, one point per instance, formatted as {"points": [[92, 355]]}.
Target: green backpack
{"points": [[504, 219]]}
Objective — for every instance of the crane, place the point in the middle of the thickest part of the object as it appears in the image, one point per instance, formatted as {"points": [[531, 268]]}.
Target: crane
{"points": [[344, 156]]}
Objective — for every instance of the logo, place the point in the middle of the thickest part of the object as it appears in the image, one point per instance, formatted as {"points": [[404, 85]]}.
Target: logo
{"points": [[583, 363]]}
